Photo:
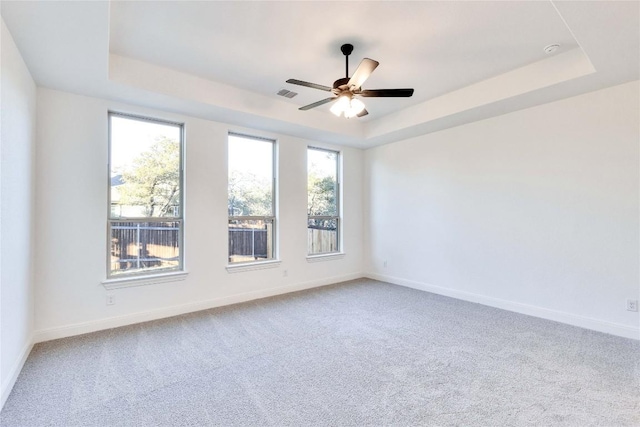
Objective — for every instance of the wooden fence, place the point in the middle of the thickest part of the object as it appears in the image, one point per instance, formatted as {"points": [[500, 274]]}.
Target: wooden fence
{"points": [[144, 245], [246, 244], [322, 240], [156, 245]]}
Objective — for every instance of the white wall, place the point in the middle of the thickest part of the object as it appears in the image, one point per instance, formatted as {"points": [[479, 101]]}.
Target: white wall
{"points": [[18, 135], [535, 211], [71, 222]]}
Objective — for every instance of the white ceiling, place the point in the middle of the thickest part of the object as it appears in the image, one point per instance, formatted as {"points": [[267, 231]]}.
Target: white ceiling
{"points": [[226, 60]]}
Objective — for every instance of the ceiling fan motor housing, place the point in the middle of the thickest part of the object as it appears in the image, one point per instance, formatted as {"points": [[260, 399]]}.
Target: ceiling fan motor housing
{"points": [[341, 84]]}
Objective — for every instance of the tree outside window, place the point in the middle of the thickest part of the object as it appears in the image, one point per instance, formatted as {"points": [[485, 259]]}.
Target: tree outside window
{"points": [[251, 196], [323, 201], [145, 197]]}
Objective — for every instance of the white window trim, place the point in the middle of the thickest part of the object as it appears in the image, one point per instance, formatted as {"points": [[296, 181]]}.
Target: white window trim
{"points": [[132, 281], [138, 279], [328, 256], [251, 266], [268, 263], [331, 256]]}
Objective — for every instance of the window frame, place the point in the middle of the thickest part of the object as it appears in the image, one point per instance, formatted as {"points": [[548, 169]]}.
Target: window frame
{"points": [[338, 197], [273, 218], [161, 272]]}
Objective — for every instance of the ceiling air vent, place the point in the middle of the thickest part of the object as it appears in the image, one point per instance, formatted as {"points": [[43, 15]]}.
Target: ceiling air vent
{"points": [[287, 93]]}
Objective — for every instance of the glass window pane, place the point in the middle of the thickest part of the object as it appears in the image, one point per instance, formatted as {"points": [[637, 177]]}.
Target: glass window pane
{"points": [[250, 240], [250, 177], [323, 236], [322, 179], [139, 247], [145, 168]]}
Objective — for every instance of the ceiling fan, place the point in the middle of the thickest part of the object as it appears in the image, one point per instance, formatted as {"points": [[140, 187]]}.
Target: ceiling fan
{"points": [[346, 89]]}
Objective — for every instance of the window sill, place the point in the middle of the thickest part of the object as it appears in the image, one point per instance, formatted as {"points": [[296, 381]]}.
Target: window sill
{"points": [[325, 257], [250, 266], [132, 281]]}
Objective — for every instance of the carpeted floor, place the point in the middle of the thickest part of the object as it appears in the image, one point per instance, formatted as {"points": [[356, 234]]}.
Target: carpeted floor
{"points": [[361, 353]]}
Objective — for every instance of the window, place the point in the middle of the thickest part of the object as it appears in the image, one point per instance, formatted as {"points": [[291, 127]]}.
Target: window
{"points": [[251, 201], [323, 201], [145, 196]]}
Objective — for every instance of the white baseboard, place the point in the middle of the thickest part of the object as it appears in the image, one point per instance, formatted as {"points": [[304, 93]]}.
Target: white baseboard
{"points": [[8, 383], [129, 319], [531, 310]]}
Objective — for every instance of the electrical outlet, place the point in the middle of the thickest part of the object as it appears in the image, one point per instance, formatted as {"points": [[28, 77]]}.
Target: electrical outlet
{"points": [[111, 299], [632, 305]]}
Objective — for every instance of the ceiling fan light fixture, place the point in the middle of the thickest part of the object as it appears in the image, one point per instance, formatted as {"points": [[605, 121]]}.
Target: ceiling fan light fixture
{"points": [[341, 105], [356, 108], [347, 105]]}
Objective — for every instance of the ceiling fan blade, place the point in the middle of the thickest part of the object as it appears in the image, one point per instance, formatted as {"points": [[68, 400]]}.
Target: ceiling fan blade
{"points": [[362, 73], [307, 84], [362, 113], [387, 93], [316, 104]]}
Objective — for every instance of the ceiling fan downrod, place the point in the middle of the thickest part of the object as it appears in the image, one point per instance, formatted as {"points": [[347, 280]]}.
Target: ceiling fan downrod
{"points": [[346, 51]]}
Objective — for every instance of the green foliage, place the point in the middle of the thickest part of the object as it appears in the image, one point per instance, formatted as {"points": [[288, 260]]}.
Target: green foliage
{"points": [[321, 183], [249, 195], [321, 196], [152, 182]]}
